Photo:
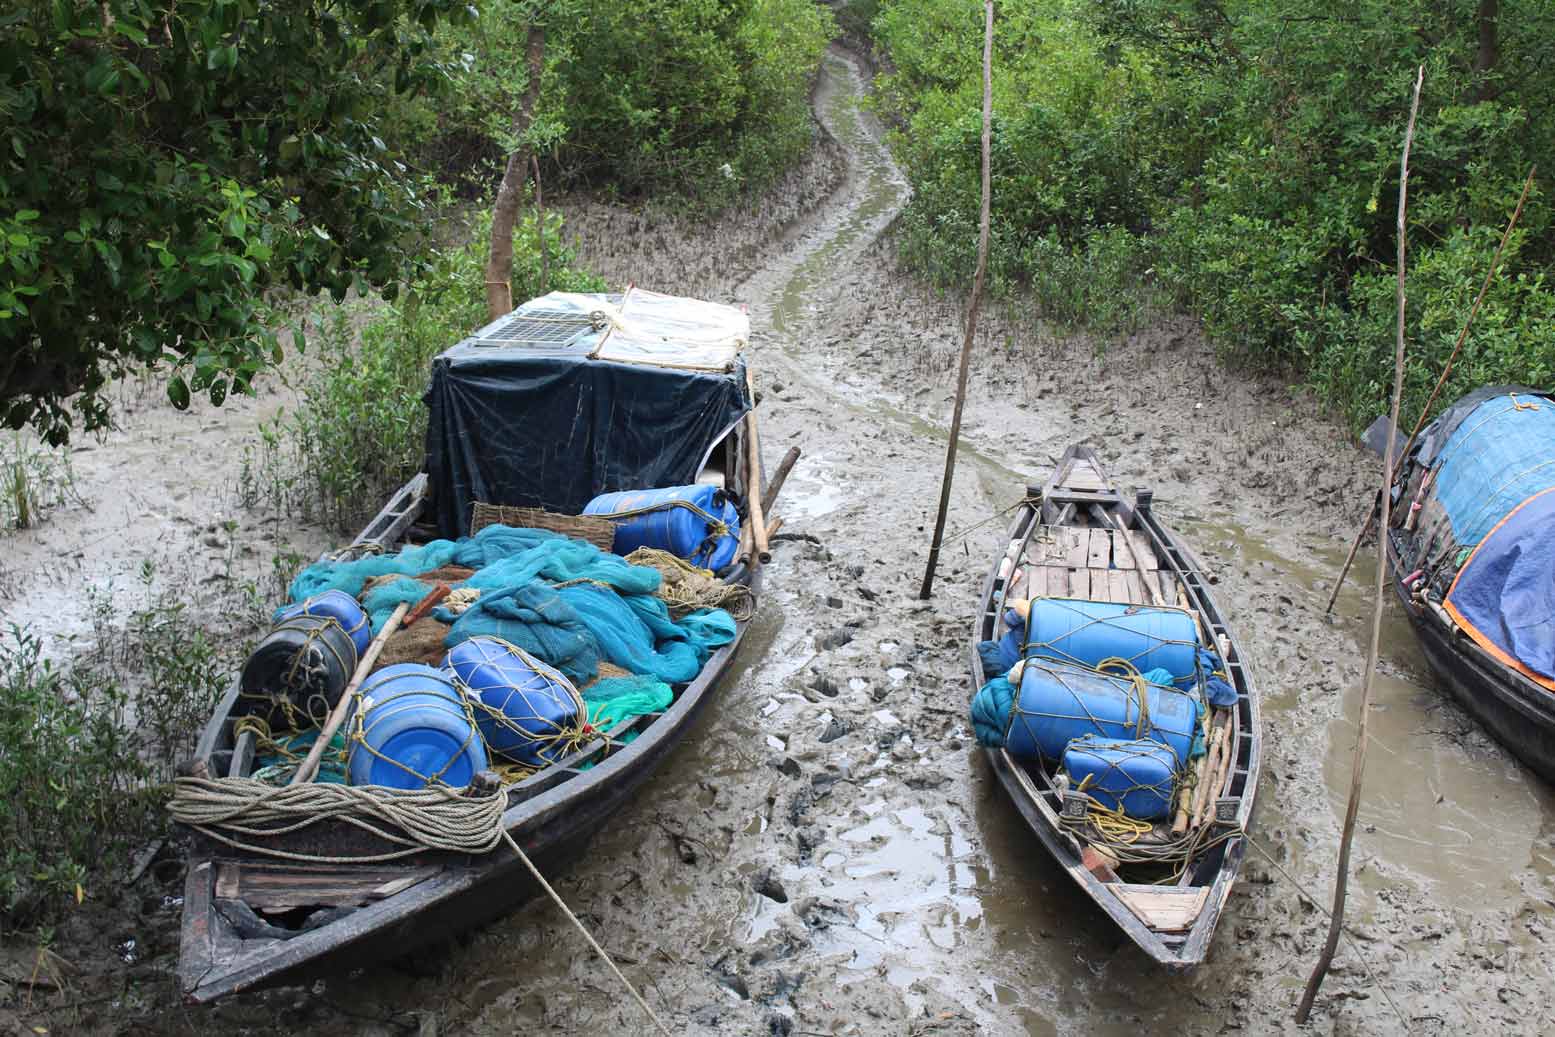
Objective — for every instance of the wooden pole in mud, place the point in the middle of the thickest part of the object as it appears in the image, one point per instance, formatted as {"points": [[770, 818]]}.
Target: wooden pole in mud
{"points": [[971, 317], [1358, 771], [1425, 412]]}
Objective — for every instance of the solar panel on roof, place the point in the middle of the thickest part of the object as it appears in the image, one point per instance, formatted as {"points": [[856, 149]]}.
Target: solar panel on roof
{"points": [[542, 329]]}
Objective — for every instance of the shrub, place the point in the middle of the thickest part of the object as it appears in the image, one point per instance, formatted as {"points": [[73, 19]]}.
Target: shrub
{"points": [[360, 429]]}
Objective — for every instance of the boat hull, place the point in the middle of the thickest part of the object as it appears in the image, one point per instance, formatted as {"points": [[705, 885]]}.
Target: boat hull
{"points": [[1513, 709]]}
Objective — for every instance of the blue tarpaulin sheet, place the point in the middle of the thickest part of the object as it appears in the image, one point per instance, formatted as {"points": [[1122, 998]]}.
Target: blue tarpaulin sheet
{"points": [[1505, 592], [1500, 455], [1495, 480]]}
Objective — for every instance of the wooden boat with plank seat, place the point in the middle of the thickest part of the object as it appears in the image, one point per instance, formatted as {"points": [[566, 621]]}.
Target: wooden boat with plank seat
{"points": [[1077, 546], [283, 898]]}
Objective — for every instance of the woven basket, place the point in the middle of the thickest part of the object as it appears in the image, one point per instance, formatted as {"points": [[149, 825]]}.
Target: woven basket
{"points": [[600, 532]]}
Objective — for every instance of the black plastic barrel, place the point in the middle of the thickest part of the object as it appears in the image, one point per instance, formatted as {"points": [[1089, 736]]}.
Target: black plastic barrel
{"points": [[297, 673]]}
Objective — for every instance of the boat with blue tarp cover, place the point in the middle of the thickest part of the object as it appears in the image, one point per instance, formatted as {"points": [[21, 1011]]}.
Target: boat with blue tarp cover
{"points": [[506, 652], [1471, 551], [1117, 709]]}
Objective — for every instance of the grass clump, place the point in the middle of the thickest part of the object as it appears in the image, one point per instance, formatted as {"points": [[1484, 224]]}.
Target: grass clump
{"points": [[34, 480]]}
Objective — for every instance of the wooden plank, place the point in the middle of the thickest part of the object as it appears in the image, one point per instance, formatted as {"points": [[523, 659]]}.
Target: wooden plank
{"points": [[1077, 547], [1096, 579], [1084, 476], [1163, 908], [1168, 587], [1061, 582], [275, 888], [1036, 582], [1136, 588], [1043, 546], [1099, 549], [1117, 586], [1142, 549]]}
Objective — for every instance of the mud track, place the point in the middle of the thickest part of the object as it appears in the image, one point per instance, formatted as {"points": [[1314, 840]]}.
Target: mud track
{"points": [[828, 853]]}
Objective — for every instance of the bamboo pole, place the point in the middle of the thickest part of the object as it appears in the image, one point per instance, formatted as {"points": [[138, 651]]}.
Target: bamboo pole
{"points": [[1425, 412], [338, 714], [971, 317], [1358, 771], [775, 484], [759, 548]]}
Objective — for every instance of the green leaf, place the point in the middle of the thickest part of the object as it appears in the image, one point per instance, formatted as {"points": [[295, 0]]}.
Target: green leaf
{"points": [[178, 392]]}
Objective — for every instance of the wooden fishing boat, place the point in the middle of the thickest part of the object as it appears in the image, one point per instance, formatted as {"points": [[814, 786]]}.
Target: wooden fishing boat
{"points": [[1077, 538], [285, 906], [1474, 519]]}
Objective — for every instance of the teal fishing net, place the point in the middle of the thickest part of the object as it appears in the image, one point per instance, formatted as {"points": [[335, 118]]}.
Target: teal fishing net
{"points": [[564, 601]]}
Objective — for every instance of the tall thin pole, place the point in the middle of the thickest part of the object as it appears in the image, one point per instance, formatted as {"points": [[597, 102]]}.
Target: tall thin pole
{"points": [[971, 317], [1358, 770]]}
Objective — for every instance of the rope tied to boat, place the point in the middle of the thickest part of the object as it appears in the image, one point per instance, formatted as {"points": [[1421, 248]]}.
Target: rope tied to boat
{"points": [[685, 587], [1120, 667], [433, 818]]}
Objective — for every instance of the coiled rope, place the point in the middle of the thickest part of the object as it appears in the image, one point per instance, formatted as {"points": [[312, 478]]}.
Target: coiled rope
{"points": [[685, 587], [433, 818]]}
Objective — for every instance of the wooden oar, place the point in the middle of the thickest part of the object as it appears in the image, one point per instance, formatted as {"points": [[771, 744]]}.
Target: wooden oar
{"points": [[338, 714]]}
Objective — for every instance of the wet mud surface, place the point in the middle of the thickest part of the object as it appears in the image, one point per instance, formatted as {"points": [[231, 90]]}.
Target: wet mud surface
{"points": [[828, 852]]}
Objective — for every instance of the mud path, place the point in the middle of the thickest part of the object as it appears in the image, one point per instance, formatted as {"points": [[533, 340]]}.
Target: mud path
{"points": [[828, 853]]}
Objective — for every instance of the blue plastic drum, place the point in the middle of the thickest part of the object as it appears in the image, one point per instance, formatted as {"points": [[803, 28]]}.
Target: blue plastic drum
{"points": [[526, 711], [1134, 774], [339, 606], [414, 731], [671, 526], [1058, 703], [1088, 632]]}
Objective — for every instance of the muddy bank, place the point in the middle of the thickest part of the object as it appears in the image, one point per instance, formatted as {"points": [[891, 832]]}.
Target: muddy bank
{"points": [[828, 854]]}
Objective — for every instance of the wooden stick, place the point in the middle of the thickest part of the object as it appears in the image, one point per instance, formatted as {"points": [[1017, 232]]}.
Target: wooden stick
{"points": [[1217, 742], [426, 604], [1217, 774], [1185, 797], [338, 714], [753, 479], [1139, 563], [743, 552], [773, 526], [1425, 412], [971, 316], [769, 496], [1358, 771]]}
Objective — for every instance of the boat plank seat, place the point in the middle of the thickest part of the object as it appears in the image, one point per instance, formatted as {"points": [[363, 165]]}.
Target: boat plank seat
{"points": [[1099, 554], [1162, 908], [282, 887]]}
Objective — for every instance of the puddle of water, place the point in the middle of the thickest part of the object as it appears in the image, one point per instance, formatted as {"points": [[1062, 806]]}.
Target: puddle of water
{"points": [[912, 890]]}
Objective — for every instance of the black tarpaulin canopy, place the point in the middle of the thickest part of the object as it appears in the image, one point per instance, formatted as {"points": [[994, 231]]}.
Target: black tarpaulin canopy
{"points": [[574, 395]]}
